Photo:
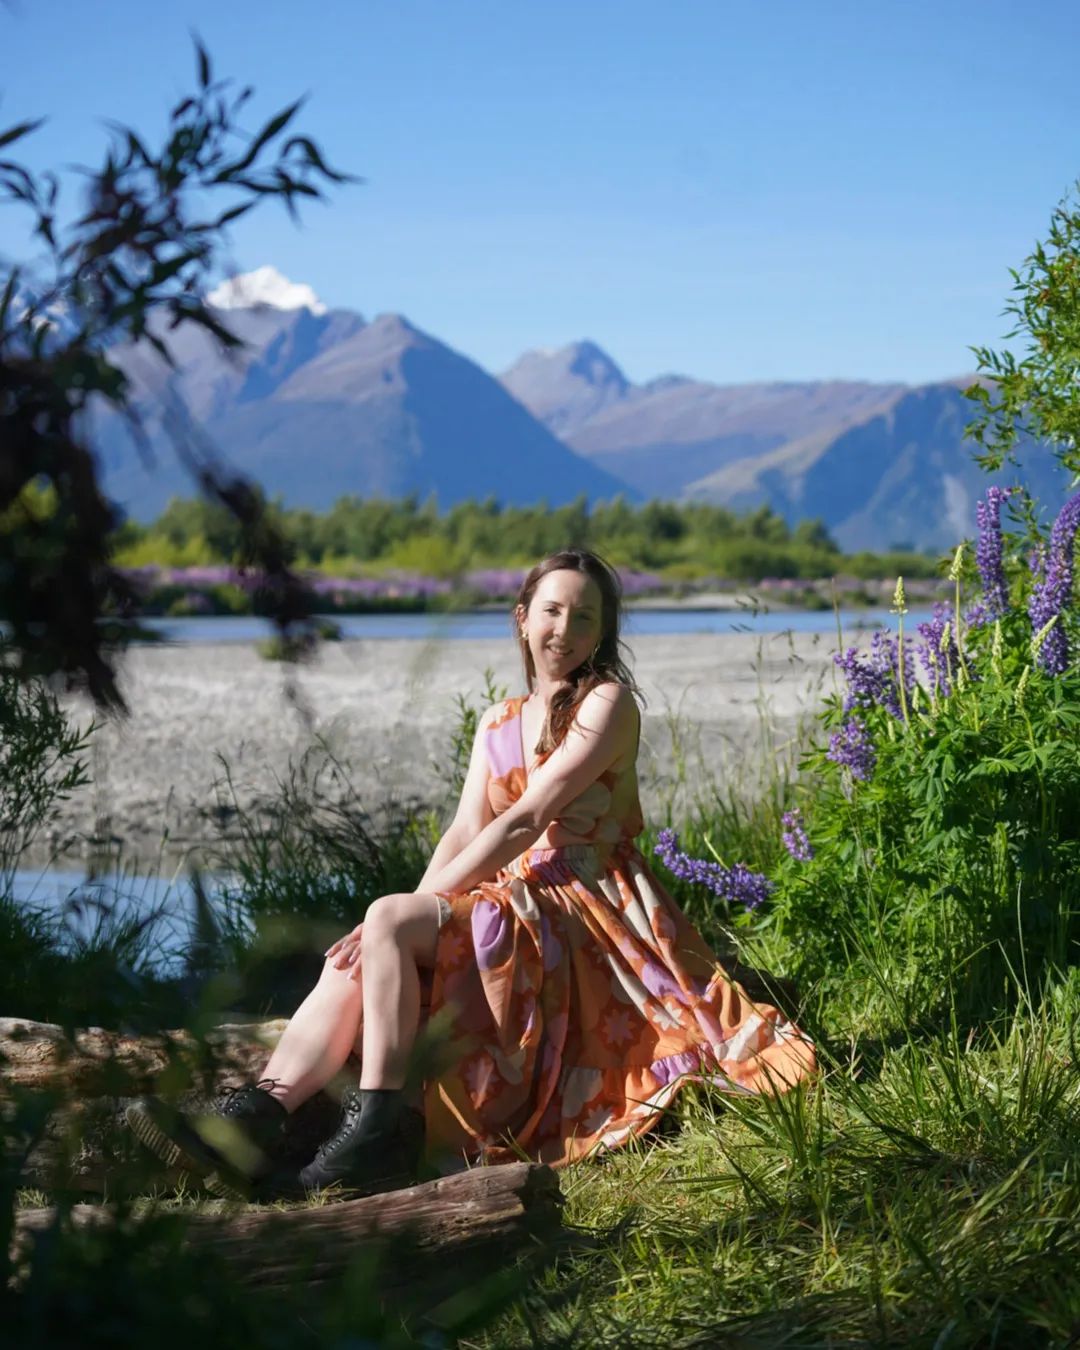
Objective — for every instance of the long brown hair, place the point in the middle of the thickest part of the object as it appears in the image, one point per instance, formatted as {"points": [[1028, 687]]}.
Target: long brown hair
{"points": [[605, 665]]}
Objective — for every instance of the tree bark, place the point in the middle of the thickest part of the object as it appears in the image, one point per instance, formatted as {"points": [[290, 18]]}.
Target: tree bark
{"points": [[40, 1055], [438, 1235]]}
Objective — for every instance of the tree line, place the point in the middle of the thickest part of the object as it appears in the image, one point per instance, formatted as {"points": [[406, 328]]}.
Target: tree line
{"points": [[680, 541]]}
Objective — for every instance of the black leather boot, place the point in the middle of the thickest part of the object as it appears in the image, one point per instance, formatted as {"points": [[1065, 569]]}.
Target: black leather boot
{"points": [[379, 1146], [229, 1148]]}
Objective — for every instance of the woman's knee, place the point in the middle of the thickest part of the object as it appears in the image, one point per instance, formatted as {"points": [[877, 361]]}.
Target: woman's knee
{"points": [[384, 920], [406, 922]]}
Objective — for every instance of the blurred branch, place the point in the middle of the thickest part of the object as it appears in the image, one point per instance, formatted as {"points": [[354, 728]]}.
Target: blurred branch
{"points": [[133, 267]]}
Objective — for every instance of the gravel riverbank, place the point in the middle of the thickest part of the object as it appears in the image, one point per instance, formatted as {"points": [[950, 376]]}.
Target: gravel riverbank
{"points": [[387, 707]]}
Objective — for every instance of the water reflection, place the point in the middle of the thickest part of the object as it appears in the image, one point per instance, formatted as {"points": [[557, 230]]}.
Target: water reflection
{"points": [[150, 919]]}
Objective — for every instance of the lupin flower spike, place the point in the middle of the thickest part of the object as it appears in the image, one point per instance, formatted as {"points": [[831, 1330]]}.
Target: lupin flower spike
{"points": [[957, 566], [961, 679], [946, 636], [1021, 686], [997, 648], [1040, 637], [898, 597]]}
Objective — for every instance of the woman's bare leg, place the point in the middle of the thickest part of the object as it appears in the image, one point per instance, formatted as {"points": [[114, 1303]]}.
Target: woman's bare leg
{"points": [[400, 935], [320, 1037]]}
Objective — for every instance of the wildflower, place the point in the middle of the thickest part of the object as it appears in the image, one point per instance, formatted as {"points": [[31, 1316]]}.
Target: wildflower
{"points": [[899, 597], [744, 887], [1021, 686], [938, 651], [736, 884], [956, 568], [795, 837], [852, 748], [1039, 638], [876, 679], [989, 555], [997, 649], [1053, 569]]}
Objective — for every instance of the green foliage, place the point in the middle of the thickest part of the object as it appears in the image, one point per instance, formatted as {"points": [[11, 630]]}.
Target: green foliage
{"points": [[1037, 394], [297, 870], [925, 1197], [681, 541], [963, 849], [42, 761]]}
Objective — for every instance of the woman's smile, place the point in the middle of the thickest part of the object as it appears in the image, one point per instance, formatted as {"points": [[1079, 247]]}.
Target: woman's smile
{"points": [[563, 622]]}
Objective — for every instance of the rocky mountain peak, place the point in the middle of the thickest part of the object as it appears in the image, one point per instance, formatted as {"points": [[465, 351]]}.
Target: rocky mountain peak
{"points": [[566, 386]]}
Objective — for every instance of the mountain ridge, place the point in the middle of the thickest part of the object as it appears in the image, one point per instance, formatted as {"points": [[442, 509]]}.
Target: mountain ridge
{"points": [[320, 404], [323, 402]]}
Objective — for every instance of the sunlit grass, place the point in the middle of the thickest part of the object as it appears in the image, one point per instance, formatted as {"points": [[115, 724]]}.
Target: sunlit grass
{"points": [[931, 1201]]}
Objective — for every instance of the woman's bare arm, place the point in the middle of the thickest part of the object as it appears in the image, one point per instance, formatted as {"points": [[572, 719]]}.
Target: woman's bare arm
{"points": [[473, 809], [603, 731]]}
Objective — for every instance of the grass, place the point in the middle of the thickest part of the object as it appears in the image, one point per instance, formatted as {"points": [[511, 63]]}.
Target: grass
{"points": [[926, 1195]]}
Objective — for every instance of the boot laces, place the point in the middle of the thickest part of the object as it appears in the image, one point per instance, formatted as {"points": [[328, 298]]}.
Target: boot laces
{"points": [[236, 1098], [351, 1107]]}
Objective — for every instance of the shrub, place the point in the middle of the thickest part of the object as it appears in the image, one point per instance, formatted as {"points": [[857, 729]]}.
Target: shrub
{"points": [[41, 762], [944, 808]]}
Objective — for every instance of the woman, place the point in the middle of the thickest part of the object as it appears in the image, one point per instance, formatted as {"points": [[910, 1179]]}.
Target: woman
{"points": [[576, 996]]}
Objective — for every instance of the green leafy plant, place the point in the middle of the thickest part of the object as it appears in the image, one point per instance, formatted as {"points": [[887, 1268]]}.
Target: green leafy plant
{"points": [[42, 761], [945, 815], [1036, 395]]}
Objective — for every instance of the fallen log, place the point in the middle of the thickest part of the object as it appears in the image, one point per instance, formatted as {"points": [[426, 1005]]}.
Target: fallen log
{"points": [[435, 1235], [96, 1063]]}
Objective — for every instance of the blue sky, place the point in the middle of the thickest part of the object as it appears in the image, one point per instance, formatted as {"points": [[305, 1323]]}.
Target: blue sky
{"points": [[779, 190]]}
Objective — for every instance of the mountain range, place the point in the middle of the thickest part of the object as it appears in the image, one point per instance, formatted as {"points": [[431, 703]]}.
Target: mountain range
{"points": [[322, 403]]}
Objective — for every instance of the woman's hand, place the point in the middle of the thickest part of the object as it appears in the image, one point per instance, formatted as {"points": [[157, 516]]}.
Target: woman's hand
{"points": [[345, 952]]}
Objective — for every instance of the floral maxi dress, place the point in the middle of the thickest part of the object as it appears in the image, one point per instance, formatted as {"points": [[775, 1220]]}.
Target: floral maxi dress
{"points": [[577, 995]]}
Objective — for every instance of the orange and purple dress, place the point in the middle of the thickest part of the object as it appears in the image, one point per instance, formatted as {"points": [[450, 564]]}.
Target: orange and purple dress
{"points": [[578, 995]]}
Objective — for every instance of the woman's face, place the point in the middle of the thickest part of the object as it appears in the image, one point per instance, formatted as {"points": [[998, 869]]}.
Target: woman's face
{"points": [[564, 622]]}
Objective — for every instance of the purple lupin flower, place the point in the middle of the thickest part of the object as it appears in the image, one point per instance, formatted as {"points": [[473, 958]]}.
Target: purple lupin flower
{"points": [[885, 655], [853, 749], [863, 682], [736, 884], [795, 838], [1052, 567], [989, 555], [875, 679], [977, 615], [940, 657]]}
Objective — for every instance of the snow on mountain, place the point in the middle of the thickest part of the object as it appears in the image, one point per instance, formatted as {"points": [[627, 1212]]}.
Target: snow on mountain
{"points": [[265, 286]]}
